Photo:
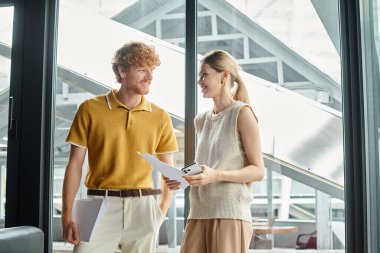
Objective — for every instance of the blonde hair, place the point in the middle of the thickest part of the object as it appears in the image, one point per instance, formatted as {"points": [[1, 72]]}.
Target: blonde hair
{"points": [[220, 61]]}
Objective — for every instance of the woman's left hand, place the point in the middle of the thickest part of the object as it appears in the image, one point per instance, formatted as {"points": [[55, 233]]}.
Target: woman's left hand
{"points": [[207, 176]]}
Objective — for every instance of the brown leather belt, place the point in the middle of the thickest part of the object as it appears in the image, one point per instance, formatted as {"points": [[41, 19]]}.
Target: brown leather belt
{"points": [[124, 193]]}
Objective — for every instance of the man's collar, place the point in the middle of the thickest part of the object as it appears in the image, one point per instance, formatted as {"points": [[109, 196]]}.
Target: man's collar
{"points": [[143, 106], [113, 102]]}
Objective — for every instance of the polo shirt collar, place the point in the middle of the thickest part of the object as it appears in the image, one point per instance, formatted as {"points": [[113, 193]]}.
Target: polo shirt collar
{"points": [[113, 102], [143, 106]]}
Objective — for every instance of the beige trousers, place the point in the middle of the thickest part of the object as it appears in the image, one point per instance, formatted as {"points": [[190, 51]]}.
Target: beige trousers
{"points": [[130, 224], [217, 236]]}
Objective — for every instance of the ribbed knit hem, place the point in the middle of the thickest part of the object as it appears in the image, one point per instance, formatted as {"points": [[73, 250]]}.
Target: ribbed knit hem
{"points": [[221, 209]]}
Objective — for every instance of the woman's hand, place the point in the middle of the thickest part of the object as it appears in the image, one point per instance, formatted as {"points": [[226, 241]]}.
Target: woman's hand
{"points": [[172, 184], [207, 176]]}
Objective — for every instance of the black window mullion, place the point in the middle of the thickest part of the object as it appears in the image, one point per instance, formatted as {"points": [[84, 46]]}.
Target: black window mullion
{"points": [[29, 162], [353, 125], [191, 87]]}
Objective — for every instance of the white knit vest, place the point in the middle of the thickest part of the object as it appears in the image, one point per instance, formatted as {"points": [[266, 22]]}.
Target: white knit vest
{"points": [[220, 147]]}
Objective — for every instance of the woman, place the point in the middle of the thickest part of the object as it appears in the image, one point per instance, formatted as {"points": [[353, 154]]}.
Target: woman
{"points": [[229, 152]]}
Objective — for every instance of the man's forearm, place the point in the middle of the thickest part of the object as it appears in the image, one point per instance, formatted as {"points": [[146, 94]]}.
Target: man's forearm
{"points": [[72, 178], [70, 188], [166, 196]]}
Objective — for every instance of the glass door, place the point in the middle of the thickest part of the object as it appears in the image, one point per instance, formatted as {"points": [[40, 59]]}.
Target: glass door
{"points": [[89, 33], [289, 55], [6, 28]]}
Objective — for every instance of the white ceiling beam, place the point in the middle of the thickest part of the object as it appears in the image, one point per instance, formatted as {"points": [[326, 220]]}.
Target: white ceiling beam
{"points": [[72, 98], [257, 60], [328, 12], [206, 38], [182, 15]]}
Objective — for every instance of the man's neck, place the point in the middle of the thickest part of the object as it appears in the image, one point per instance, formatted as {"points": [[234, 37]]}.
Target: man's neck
{"points": [[129, 99]]}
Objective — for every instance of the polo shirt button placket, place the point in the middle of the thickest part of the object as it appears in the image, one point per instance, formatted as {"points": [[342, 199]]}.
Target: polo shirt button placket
{"points": [[130, 119], [127, 123]]}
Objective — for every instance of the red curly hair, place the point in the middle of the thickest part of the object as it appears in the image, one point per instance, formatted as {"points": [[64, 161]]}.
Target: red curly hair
{"points": [[134, 53]]}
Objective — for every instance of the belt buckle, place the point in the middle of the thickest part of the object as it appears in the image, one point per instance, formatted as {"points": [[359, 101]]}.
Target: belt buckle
{"points": [[123, 193]]}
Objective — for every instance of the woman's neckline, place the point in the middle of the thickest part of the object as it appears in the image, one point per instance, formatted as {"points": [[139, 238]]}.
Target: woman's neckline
{"points": [[221, 113]]}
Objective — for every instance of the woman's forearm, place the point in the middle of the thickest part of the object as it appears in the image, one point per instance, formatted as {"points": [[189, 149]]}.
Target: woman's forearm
{"points": [[247, 174]]}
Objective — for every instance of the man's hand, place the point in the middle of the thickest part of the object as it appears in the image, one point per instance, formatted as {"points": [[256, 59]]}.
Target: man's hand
{"points": [[70, 231], [172, 184], [167, 194]]}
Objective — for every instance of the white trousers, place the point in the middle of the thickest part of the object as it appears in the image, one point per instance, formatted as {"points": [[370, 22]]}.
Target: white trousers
{"points": [[130, 224]]}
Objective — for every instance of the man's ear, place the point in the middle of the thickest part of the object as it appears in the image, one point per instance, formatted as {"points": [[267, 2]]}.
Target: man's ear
{"points": [[122, 72]]}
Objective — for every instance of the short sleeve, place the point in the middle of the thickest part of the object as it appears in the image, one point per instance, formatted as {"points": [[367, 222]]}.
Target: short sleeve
{"points": [[78, 133], [167, 142]]}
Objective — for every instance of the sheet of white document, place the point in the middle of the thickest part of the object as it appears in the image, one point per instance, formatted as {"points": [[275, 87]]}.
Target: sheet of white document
{"points": [[87, 213], [166, 170]]}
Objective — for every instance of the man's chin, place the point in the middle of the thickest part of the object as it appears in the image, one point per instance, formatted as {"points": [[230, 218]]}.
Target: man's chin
{"points": [[144, 92]]}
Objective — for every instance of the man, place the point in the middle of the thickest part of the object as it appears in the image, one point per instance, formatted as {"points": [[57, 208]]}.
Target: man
{"points": [[113, 128]]}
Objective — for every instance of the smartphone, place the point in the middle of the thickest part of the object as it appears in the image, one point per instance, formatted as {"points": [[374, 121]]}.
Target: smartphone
{"points": [[192, 169]]}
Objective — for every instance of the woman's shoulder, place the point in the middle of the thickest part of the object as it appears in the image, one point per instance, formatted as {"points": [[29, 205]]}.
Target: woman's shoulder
{"points": [[239, 104], [245, 111], [199, 121], [201, 116]]}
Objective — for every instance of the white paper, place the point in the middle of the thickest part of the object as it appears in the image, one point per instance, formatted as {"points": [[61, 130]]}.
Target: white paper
{"points": [[87, 214], [166, 170]]}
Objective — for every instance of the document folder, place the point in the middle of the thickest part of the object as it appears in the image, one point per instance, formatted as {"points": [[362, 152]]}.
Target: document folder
{"points": [[87, 214]]}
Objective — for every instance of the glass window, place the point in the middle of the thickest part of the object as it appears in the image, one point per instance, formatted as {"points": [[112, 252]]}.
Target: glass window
{"points": [[370, 26], [89, 34], [6, 28], [289, 54]]}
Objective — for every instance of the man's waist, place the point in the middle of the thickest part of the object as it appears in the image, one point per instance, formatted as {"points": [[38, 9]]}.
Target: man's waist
{"points": [[124, 193]]}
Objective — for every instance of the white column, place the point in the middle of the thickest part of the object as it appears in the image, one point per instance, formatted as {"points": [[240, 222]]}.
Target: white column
{"points": [[286, 184], [323, 214]]}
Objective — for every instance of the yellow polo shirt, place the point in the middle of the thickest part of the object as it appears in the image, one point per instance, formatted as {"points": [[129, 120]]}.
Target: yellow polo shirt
{"points": [[113, 135]]}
